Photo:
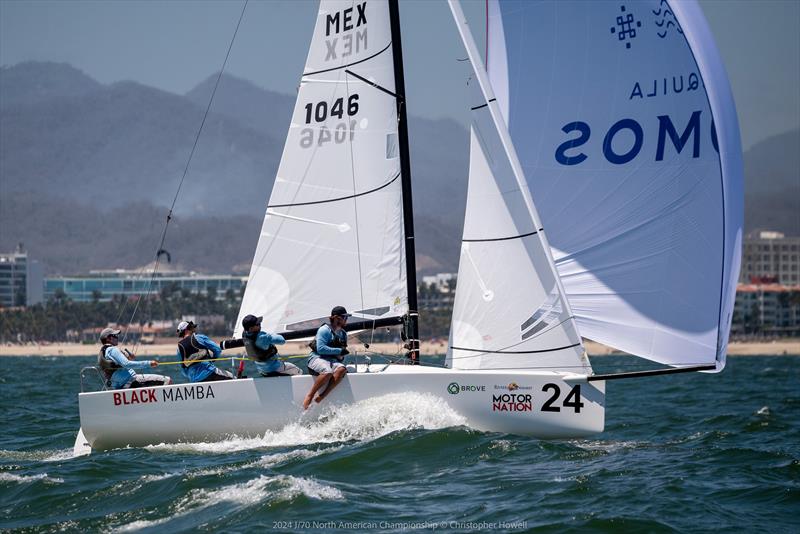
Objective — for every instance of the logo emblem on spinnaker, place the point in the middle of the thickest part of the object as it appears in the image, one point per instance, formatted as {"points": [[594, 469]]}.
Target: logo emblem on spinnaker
{"points": [[453, 388]]}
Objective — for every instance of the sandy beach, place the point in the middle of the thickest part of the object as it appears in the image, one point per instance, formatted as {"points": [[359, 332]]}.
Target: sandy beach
{"points": [[167, 350]]}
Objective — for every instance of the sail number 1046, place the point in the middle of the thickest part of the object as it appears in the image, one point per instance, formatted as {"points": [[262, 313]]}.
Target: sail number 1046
{"points": [[320, 112]]}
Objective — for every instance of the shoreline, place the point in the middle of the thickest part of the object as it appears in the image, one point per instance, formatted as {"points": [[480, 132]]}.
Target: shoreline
{"points": [[788, 347]]}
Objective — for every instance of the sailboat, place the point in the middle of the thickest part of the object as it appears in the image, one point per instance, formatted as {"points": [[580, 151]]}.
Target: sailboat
{"points": [[338, 230]]}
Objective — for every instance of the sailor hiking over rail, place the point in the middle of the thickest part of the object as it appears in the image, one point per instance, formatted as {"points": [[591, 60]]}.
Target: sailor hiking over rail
{"points": [[118, 370], [193, 347], [326, 361], [260, 346]]}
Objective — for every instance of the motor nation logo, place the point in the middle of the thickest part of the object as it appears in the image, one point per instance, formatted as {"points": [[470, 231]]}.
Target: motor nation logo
{"points": [[512, 402]]}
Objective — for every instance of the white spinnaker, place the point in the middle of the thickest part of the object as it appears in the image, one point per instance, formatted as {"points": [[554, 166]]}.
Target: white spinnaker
{"points": [[610, 106], [509, 311], [333, 230]]}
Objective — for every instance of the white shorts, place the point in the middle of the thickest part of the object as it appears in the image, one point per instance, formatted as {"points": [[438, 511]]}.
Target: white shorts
{"points": [[281, 368], [148, 380], [323, 366]]}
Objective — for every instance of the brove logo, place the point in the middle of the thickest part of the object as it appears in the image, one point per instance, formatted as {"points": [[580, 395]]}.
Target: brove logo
{"points": [[454, 388]]}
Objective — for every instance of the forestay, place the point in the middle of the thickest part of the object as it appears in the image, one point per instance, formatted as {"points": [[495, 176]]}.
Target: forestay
{"points": [[612, 107], [509, 311], [333, 230]]}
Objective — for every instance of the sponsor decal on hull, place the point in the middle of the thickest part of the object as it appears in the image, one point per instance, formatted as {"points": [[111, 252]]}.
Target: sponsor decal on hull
{"points": [[454, 388], [151, 396], [513, 386], [512, 402]]}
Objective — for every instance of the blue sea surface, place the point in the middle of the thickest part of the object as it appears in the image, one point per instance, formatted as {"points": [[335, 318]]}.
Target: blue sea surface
{"points": [[681, 453]]}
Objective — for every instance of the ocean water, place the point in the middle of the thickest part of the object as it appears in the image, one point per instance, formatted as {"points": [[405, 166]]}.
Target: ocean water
{"points": [[682, 453]]}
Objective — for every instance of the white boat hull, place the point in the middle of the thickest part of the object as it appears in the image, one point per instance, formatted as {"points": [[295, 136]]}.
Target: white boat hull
{"points": [[498, 401]]}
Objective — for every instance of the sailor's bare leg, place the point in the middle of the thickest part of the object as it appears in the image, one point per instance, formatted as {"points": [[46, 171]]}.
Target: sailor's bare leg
{"points": [[338, 374], [319, 382]]}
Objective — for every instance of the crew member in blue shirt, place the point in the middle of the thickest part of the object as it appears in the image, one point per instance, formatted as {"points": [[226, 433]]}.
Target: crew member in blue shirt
{"points": [[260, 346], [193, 349], [329, 349], [117, 369]]}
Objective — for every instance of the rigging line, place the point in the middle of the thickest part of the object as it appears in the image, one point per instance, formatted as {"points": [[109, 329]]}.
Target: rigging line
{"points": [[136, 307], [393, 95], [338, 199], [501, 238], [512, 351], [188, 162], [208, 107], [125, 304], [355, 205]]}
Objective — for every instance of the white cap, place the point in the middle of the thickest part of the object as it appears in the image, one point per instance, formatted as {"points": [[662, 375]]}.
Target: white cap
{"points": [[183, 325]]}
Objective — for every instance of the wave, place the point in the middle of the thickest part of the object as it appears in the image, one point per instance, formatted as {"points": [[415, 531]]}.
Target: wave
{"points": [[608, 446], [41, 456], [155, 478], [272, 460], [365, 420], [141, 524], [272, 488], [24, 479]]}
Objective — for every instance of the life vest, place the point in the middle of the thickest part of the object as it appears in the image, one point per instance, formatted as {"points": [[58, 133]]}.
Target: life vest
{"points": [[255, 352], [336, 343], [189, 346], [107, 366]]}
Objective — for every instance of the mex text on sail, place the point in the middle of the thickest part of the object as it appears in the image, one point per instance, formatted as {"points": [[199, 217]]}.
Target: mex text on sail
{"points": [[341, 41]]}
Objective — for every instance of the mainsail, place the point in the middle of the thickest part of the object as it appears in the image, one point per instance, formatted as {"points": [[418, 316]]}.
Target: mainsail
{"points": [[510, 311], [333, 230], [625, 125]]}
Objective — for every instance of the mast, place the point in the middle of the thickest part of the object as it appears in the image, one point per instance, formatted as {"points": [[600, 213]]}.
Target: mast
{"points": [[405, 177]]}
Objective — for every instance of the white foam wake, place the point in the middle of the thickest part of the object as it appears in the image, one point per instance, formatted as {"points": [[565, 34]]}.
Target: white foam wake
{"points": [[362, 421], [368, 420]]}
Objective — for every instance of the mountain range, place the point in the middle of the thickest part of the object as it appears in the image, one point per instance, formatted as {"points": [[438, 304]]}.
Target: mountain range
{"points": [[88, 172]]}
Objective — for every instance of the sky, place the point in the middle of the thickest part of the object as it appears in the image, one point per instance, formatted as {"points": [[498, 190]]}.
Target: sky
{"points": [[175, 44]]}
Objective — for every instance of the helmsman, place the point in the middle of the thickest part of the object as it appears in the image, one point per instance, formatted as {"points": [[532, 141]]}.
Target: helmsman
{"points": [[117, 368]]}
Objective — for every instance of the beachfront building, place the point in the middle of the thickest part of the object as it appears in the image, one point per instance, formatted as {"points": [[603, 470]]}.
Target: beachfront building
{"points": [[20, 279], [103, 285], [766, 310], [436, 295], [441, 282], [770, 257], [437, 292]]}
